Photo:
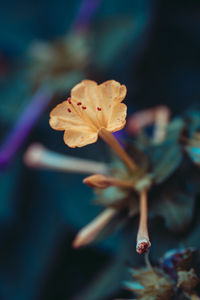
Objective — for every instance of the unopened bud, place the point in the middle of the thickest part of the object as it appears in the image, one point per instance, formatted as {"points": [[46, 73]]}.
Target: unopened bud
{"points": [[101, 181], [98, 181]]}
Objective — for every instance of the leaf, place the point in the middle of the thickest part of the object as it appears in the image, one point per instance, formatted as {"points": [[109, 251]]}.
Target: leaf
{"points": [[165, 158], [175, 129], [175, 206], [119, 199], [168, 163], [194, 154], [192, 120], [111, 196], [119, 31]]}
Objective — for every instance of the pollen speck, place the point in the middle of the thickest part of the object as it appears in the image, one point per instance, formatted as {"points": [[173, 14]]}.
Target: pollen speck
{"points": [[69, 110], [83, 107], [69, 100], [99, 108], [79, 103]]}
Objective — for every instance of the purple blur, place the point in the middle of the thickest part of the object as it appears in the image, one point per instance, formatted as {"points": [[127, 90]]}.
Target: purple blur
{"points": [[27, 120], [85, 13]]}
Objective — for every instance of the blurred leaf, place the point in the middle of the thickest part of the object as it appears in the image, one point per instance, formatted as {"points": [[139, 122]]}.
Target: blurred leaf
{"points": [[194, 154], [175, 206], [165, 160], [110, 39], [119, 199], [192, 120]]}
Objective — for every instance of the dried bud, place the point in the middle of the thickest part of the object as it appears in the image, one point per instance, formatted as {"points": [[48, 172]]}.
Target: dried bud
{"points": [[143, 246], [150, 284], [187, 280], [164, 289]]}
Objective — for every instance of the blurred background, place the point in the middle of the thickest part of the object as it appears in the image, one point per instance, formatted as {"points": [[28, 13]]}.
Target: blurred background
{"points": [[46, 47]]}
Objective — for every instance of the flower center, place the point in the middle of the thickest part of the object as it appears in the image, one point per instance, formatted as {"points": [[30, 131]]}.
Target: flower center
{"points": [[92, 118]]}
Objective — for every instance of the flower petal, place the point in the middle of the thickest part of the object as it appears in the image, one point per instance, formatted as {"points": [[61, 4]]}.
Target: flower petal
{"points": [[63, 116], [87, 93], [79, 138], [113, 91], [79, 92], [98, 99], [117, 118]]}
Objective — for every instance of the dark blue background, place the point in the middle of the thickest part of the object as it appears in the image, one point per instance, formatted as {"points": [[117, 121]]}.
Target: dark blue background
{"points": [[156, 54]]}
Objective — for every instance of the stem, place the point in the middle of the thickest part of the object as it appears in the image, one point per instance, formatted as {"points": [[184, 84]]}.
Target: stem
{"points": [[88, 233], [114, 144], [147, 261], [37, 156], [124, 184], [143, 242]]}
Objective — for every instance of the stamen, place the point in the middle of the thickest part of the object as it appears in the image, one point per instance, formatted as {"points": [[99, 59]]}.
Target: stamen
{"points": [[99, 108], [84, 107], [69, 110], [143, 242], [79, 103]]}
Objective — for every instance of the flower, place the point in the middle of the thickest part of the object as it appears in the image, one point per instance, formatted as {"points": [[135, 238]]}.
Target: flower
{"points": [[90, 108]]}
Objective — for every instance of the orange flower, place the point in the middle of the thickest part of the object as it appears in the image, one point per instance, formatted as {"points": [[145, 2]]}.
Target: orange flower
{"points": [[90, 109]]}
